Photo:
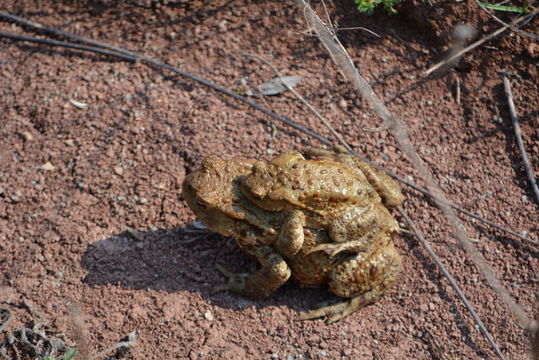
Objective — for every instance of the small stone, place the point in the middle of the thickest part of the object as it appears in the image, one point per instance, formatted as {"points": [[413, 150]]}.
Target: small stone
{"points": [[343, 104], [208, 316], [27, 136], [222, 26], [432, 307], [270, 151], [78, 104], [143, 200], [118, 170], [69, 142], [48, 166]]}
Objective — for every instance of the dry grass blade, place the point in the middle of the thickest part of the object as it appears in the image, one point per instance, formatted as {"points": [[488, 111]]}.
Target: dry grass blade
{"points": [[61, 33], [479, 42], [513, 28], [454, 206], [305, 102], [131, 339], [452, 282], [79, 330], [346, 66], [518, 135]]}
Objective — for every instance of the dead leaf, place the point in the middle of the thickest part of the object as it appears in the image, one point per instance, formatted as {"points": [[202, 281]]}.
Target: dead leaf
{"points": [[275, 86]]}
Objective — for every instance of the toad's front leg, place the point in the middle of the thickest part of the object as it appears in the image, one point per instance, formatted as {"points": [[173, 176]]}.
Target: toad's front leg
{"points": [[274, 273], [291, 236]]}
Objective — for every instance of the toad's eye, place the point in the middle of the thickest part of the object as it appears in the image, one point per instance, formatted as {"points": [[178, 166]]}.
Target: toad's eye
{"points": [[201, 203]]}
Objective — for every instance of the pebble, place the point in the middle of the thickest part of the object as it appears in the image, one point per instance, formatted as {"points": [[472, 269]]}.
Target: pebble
{"points": [[222, 26], [16, 197], [118, 170], [27, 136], [48, 166], [208, 316]]}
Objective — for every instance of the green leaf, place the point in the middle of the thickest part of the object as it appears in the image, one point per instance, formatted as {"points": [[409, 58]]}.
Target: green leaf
{"points": [[70, 354], [519, 10]]}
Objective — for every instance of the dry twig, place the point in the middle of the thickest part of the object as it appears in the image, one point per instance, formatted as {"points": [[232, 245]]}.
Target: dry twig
{"points": [[518, 135], [458, 54], [513, 28], [305, 102], [452, 282]]}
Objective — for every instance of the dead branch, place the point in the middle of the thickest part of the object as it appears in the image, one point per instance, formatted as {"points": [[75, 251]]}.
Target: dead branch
{"points": [[518, 135], [452, 282]]}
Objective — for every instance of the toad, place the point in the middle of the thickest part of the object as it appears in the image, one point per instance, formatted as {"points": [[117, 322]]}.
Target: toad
{"points": [[287, 238], [332, 190]]}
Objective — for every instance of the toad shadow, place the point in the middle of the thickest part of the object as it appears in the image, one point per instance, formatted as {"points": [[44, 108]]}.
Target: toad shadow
{"points": [[177, 260]]}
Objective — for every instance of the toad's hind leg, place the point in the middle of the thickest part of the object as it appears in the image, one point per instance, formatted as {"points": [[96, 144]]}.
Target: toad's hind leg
{"points": [[264, 281], [364, 278], [359, 229]]}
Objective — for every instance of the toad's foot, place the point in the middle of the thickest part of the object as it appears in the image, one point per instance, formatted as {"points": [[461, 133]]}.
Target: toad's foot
{"points": [[273, 273], [236, 282], [341, 310], [333, 249]]}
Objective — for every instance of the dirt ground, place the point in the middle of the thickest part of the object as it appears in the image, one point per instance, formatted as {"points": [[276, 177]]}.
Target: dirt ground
{"points": [[91, 210]]}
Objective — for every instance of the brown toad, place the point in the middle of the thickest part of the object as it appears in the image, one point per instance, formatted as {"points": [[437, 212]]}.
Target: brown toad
{"points": [[286, 240], [213, 194], [332, 190]]}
